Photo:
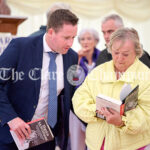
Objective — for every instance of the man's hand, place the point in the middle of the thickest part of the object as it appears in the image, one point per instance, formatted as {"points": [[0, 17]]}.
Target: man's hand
{"points": [[112, 116], [21, 128]]}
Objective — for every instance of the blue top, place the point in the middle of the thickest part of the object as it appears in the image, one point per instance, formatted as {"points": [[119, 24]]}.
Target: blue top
{"points": [[83, 65], [83, 60]]}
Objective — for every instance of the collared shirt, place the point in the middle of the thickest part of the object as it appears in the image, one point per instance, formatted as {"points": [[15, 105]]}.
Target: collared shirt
{"points": [[42, 107], [90, 67]]}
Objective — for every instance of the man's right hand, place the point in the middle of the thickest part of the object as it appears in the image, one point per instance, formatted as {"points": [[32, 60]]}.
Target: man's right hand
{"points": [[21, 128]]}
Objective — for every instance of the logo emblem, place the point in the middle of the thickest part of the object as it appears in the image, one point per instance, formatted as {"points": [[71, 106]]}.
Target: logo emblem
{"points": [[75, 75]]}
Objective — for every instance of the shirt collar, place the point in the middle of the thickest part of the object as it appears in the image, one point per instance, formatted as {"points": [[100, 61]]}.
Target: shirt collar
{"points": [[45, 45]]}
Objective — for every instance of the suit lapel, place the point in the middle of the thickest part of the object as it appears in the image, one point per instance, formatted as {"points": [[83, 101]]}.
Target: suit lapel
{"points": [[66, 100], [66, 65], [37, 63]]}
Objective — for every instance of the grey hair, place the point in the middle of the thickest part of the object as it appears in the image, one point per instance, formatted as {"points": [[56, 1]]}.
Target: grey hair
{"points": [[93, 32], [123, 34], [118, 20], [56, 6]]}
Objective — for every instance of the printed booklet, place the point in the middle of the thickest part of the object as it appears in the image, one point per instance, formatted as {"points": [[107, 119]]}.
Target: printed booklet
{"points": [[128, 100], [40, 133]]}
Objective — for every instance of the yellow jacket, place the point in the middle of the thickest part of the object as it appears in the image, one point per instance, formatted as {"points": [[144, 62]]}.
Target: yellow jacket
{"points": [[136, 132]]}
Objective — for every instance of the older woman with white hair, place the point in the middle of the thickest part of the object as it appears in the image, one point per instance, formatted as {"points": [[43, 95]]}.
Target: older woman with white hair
{"points": [[88, 54], [117, 132], [88, 39]]}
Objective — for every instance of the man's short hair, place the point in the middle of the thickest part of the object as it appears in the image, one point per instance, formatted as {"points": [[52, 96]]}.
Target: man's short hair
{"points": [[118, 20], [60, 17]]}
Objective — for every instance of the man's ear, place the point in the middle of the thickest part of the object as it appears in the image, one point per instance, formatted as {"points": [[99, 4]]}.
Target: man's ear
{"points": [[50, 31]]}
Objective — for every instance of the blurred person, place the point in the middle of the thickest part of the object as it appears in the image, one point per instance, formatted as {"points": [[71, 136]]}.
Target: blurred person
{"points": [[4, 8], [88, 39], [88, 54], [110, 24], [54, 6], [131, 130], [147, 147], [28, 83]]}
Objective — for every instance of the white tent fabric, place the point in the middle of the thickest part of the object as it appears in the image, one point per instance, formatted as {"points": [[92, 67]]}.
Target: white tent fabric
{"points": [[135, 13]]}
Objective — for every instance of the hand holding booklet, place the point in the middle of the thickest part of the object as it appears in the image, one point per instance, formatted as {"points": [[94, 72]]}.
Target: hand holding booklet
{"points": [[128, 100], [40, 133]]}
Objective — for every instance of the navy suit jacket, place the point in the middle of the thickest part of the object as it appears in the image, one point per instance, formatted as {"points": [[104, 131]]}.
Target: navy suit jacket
{"points": [[19, 97]]}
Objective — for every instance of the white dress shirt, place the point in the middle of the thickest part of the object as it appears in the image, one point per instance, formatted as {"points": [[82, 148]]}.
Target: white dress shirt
{"points": [[42, 107]]}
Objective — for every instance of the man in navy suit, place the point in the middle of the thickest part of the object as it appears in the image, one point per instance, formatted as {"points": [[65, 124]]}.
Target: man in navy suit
{"points": [[24, 80]]}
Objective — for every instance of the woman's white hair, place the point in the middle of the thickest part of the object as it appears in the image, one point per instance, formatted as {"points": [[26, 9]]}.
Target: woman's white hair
{"points": [[93, 32]]}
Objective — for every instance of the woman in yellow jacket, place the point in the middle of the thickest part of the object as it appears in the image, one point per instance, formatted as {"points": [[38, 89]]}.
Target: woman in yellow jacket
{"points": [[130, 131]]}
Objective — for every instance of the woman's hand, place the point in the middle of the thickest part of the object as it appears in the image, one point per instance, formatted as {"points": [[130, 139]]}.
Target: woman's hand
{"points": [[112, 116], [83, 52]]}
